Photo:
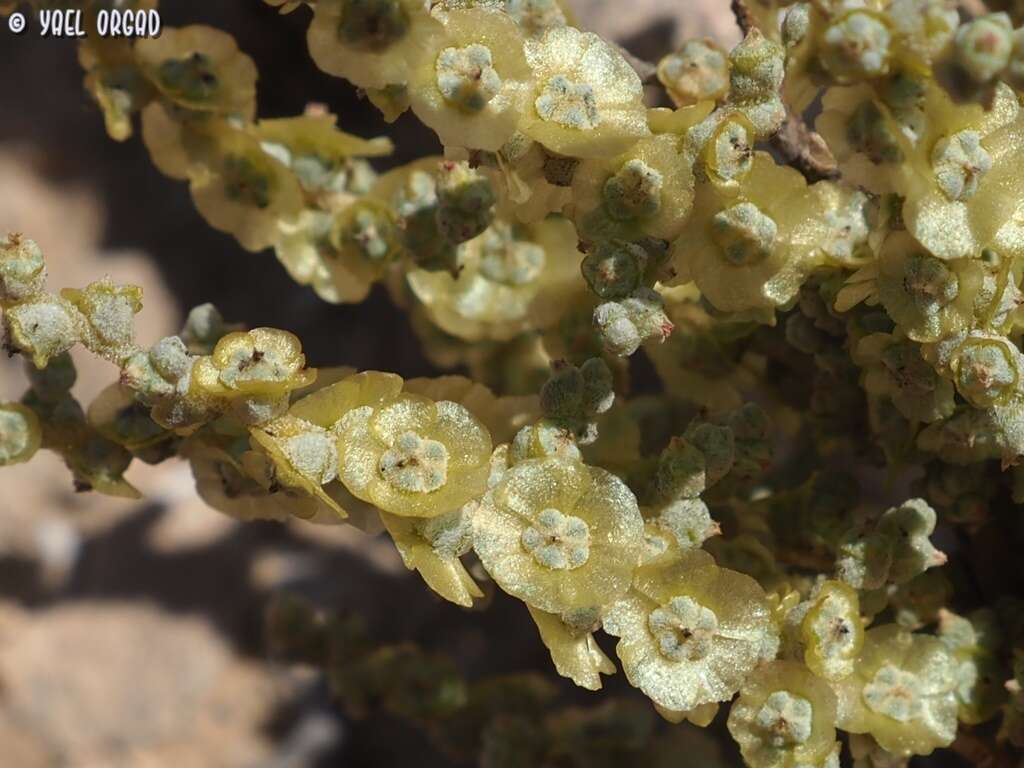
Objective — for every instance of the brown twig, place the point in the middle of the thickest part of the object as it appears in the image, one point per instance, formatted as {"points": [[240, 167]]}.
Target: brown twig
{"points": [[805, 150], [744, 17], [980, 752]]}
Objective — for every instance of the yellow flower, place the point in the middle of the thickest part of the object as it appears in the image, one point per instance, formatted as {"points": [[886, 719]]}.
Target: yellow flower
{"points": [[559, 535], [513, 278], [472, 85], [963, 192], [750, 251], [263, 361], [645, 192], [244, 191], [413, 457], [200, 68], [902, 692], [372, 43], [587, 100], [784, 717], [690, 632]]}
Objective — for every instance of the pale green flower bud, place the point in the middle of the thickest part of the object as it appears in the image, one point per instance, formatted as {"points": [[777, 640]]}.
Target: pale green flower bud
{"points": [[43, 328], [20, 434], [757, 67], [22, 269], [744, 234], [718, 444], [983, 46], [689, 522], [856, 47], [204, 327], [561, 397], [698, 71], [795, 24], [625, 325]]}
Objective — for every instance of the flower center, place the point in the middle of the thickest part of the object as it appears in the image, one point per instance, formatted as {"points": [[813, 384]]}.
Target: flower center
{"points": [[466, 77], [314, 455], [785, 720], [191, 77], [557, 541], [508, 260], [960, 162], [683, 628], [372, 25], [857, 47], [894, 693], [415, 464], [730, 155], [930, 284], [744, 234], [634, 192], [985, 372], [568, 103]]}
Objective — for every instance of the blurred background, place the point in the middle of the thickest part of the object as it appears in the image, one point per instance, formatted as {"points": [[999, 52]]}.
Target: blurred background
{"points": [[131, 633]]}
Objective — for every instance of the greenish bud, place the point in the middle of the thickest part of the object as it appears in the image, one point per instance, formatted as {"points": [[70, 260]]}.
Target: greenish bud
{"points": [[561, 397], [204, 327], [681, 472], [598, 386], [465, 202], [625, 325], [987, 370], [22, 269], [52, 383], [718, 444], [895, 551], [757, 68], [795, 24], [689, 522], [614, 268]]}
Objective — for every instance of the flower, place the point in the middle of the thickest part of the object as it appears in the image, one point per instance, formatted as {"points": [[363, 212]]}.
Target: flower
{"points": [[472, 85], [690, 632], [586, 100], [372, 43], [902, 692], [645, 192], [750, 251], [200, 68], [559, 535], [413, 457], [784, 717]]}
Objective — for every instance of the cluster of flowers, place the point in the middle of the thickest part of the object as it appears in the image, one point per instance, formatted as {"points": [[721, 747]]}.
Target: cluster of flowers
{"points": [[893, 258]]}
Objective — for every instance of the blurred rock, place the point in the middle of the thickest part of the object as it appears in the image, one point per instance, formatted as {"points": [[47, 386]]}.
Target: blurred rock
{"points": [[97, 684]]}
